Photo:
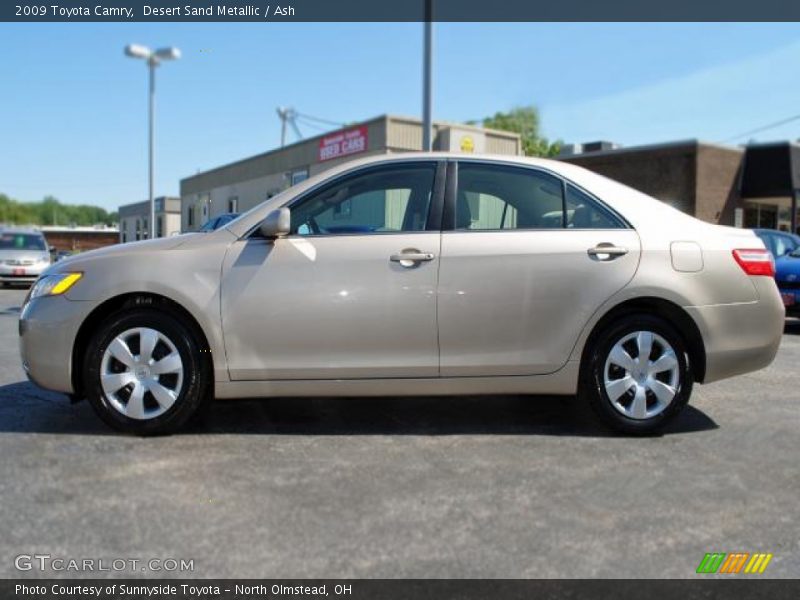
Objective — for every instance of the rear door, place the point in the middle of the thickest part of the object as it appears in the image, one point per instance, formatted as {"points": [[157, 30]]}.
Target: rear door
{"points": [[526, 259]]}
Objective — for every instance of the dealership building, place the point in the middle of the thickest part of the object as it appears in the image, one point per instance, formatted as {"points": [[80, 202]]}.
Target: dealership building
{"points": [[241, 185], [752, 186]]}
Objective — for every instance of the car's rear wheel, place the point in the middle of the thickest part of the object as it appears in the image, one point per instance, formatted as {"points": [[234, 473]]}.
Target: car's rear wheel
{"points": [[143, 372], [638, 375]]}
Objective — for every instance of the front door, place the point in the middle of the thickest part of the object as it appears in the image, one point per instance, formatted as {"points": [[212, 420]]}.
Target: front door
{"points": [[528, 258], [350, 293]]}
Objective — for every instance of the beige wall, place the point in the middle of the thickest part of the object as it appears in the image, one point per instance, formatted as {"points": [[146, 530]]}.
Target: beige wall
{"points": [[127, 225]]}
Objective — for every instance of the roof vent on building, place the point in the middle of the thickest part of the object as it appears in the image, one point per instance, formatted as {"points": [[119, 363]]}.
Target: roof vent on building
{"points": [[599, 146], [586, 147]]}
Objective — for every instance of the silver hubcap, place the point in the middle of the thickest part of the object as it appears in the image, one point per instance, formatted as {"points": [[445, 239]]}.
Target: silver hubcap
{"points": [[141, 373], [641, 375]]}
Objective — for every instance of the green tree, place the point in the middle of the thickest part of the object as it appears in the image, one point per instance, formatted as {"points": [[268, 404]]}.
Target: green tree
{"points": [[51, 212], [524, 120]]}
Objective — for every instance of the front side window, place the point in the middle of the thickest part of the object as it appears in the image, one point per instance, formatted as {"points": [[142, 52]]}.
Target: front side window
{"points": [[492, 197], [383, 200]]}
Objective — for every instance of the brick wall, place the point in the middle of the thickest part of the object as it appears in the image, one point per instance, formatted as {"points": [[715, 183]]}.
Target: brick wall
{"points": [[80, 240]]}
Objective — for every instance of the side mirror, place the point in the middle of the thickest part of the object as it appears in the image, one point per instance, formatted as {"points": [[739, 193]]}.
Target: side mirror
{"points": [[276, 224]]}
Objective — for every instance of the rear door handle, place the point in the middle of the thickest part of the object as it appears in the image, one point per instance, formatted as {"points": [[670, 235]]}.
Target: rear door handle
{"points": [[411, 259], [606, 252]]}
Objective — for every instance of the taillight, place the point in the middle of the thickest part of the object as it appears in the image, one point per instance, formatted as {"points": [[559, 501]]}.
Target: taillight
{"points": [[755, 261]]}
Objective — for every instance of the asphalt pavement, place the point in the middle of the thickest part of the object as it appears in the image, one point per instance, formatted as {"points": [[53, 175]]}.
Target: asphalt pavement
{"points": [[518, 487]]}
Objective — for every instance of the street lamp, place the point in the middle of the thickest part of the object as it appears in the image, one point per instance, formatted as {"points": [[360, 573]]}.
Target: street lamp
{"points": [[153, 58]]}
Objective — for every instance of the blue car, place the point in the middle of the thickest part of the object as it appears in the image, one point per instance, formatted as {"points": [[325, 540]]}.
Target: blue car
{"points": [[785, 249], [787, 276]]}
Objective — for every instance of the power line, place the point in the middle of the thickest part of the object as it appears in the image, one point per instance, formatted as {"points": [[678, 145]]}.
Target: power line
{"points": [[320, 120], [311, 124], [289, 116], [763, 128]]}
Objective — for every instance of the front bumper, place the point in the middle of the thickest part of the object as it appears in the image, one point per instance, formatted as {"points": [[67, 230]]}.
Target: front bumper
{"points": [[741, 337], [48, 327], [791, 298], [21, 274]]}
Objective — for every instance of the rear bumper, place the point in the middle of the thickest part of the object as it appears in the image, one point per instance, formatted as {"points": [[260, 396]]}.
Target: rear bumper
{"points": [[48, 327], [741, 337]]}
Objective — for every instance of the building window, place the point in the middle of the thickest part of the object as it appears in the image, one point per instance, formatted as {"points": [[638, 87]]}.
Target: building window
{"points": [[298, 176], [190, 216], [233, 204], [138, 235], [145, 230], [159, 226]]}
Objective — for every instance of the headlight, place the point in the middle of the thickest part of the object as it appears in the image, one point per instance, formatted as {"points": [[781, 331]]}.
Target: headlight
{"points": [[54, 285]]}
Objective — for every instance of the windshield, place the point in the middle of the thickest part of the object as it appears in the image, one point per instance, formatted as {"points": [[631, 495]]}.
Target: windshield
{"points": [[209, 225], [22, 241]]}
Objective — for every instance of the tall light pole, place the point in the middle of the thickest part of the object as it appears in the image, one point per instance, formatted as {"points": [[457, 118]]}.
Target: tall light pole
{"points": [[153, 58], [427, 77]]}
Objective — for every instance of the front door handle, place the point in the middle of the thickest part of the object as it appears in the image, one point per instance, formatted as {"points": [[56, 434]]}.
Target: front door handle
{"points": [[411, 258], [606, 252]]}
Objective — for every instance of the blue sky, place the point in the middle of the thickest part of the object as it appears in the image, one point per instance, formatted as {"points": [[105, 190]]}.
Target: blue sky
{"points": [[74, 108]]}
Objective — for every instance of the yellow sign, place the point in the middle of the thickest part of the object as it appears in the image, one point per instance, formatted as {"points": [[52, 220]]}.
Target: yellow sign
{"points": [[467, 144]]}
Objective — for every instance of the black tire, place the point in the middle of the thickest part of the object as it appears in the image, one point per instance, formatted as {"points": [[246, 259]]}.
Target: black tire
{"points": [[593, 388], [194, 390]]}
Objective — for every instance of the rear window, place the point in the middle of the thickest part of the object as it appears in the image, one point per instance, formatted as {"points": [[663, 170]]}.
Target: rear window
{"points": [[22, 241]]}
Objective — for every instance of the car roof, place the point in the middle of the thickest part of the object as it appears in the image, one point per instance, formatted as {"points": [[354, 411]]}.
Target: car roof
{"points": [[768, 231], [30, 231]]}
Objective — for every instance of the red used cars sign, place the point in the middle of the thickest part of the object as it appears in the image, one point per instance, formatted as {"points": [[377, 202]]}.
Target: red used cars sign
{"points": [[342, 143]]}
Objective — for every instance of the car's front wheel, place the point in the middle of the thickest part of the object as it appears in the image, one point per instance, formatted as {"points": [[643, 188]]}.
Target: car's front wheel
{"points": [[144, 373], [638, 376]]}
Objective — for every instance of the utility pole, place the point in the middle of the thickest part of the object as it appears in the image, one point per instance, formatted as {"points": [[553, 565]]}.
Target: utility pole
{"points": [[287, 115], [153, 59], [152, 63], [427, 77]]}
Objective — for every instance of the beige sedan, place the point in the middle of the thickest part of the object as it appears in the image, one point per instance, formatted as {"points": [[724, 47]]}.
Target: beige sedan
{"points": [[418, 274]]}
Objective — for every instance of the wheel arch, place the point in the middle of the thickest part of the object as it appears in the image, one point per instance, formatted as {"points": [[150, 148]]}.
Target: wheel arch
{"points": [[659, 307], [121, 302]]}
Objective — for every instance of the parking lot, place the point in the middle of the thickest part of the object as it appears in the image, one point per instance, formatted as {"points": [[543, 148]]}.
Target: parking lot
{"points": [[405, 487]]}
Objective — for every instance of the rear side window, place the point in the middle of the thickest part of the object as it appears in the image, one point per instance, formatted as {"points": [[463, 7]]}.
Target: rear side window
{"points": [[783, 245], [584, 212], [497, 197]]}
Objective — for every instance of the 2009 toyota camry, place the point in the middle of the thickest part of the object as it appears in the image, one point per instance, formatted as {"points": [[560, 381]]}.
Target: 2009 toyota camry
{"points": [[418, 274]]}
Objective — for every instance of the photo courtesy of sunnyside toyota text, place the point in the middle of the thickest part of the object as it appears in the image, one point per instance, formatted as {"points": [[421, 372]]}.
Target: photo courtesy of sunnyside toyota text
{"points": [[410, 299]]}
